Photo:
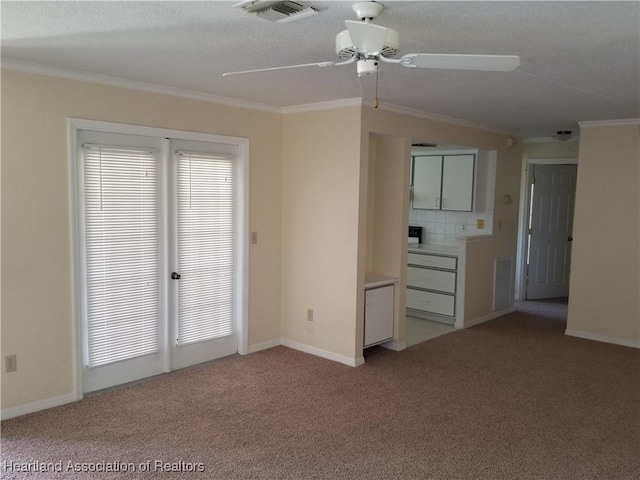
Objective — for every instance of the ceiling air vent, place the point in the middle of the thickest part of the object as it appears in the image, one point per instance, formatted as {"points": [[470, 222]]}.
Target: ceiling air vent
{"points": [[279, 11]]}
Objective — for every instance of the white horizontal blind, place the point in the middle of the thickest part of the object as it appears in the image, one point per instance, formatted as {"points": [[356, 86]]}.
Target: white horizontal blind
{"points": [[206, 246], [121, 229]]}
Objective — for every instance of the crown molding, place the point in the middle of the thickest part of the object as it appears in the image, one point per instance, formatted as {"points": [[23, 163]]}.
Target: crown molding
{"points": [[445, 119], [29, 67], [329, 105], [70, 74], [610, 123], [573, 138]]}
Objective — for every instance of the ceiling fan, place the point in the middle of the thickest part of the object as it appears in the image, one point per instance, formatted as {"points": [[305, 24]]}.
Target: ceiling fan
{"points": [[368, 44]]}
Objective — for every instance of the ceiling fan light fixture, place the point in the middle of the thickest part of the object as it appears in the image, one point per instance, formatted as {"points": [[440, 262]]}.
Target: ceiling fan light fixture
{"points": [[367, 44], [367, 67], [345, 48]]}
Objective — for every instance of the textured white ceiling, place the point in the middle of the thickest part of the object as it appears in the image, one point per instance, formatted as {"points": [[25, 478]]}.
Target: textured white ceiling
{"points": [[580, 60]]}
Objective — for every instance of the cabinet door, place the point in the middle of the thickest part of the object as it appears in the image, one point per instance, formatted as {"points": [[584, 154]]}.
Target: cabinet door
{"points": [[378, 315], [457, 182], [427, 180]]}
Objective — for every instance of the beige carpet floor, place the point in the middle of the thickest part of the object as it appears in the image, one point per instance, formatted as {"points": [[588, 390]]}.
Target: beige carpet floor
{"points": [[513, 398]]}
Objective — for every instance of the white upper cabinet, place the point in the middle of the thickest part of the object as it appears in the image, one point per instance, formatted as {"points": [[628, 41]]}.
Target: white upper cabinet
{"points": [[427, 182], [457, 182], [443, 182]]}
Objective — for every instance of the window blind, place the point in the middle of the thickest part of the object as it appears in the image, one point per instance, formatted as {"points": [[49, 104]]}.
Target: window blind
{"points": [[206, 246], [121, 230]]}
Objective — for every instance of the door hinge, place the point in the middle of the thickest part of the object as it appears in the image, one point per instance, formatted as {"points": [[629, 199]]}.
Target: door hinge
{"points": [[527, 281], [530, 231], [533, 180]]}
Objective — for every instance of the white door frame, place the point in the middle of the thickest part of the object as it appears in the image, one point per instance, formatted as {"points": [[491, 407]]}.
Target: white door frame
{"points": [[525, 205], [242, 145]]}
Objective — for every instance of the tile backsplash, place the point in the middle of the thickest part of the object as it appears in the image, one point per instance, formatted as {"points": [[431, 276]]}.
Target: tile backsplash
{"points": [[442, 227]]}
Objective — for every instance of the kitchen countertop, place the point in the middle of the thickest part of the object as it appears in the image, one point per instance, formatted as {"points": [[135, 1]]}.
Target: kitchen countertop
{"points": [[377, 280], [433, 248]]}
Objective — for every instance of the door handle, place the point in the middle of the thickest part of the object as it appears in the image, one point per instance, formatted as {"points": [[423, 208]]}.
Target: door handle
{"points": [[570, 239], [437, 202], [175, 276]]}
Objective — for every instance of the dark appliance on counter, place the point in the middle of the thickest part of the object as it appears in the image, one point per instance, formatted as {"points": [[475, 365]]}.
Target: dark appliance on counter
{"points": [[415, 235]]}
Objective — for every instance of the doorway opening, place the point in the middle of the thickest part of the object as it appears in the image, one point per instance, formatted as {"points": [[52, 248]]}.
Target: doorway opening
{"points": [[547, 222]]}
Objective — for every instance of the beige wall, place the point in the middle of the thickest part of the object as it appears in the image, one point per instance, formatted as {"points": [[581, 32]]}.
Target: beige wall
{"points": [[36, 234], [387, 200], [605, 276], [370, 201], [309, 202], [389, 192], [479, 274], [321, 207], [550, 149]]}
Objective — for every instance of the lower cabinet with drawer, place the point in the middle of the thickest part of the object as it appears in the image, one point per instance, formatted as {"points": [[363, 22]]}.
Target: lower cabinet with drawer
{"points": [[431, 286]]}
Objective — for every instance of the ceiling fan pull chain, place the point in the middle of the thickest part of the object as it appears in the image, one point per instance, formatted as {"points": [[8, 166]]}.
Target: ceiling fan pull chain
{"points": [[375, 100]]}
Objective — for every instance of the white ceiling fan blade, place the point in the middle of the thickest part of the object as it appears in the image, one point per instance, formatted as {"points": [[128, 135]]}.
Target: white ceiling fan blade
{"points": [[366, 36], [270, 69], [495, 63]]}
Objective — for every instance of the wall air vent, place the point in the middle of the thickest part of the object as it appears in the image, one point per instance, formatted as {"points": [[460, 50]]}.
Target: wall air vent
{"points": [[279, 11], [502, 281]]}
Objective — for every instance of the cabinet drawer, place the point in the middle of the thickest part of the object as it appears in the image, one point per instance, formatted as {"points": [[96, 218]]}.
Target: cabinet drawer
{"points": [[435, 261], [431, 279], [431, 302]]}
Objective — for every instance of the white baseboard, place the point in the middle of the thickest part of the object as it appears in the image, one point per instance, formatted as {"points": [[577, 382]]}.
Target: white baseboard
{"points": [[602, 338], [32, 407], [264, 345], [489, 316], [394, 345], [319, 352]]}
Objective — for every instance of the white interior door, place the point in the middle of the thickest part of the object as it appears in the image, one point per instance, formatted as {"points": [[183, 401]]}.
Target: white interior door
{"points": [[550, 227]]}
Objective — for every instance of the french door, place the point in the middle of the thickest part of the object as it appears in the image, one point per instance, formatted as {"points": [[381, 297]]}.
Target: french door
{"points": [[158, 223]]}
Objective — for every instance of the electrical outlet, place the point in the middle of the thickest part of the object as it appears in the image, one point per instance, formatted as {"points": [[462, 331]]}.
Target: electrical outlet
{"points": [[464, 227], [254, 238], [480, 223], [11, 363], [310, 314]]}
